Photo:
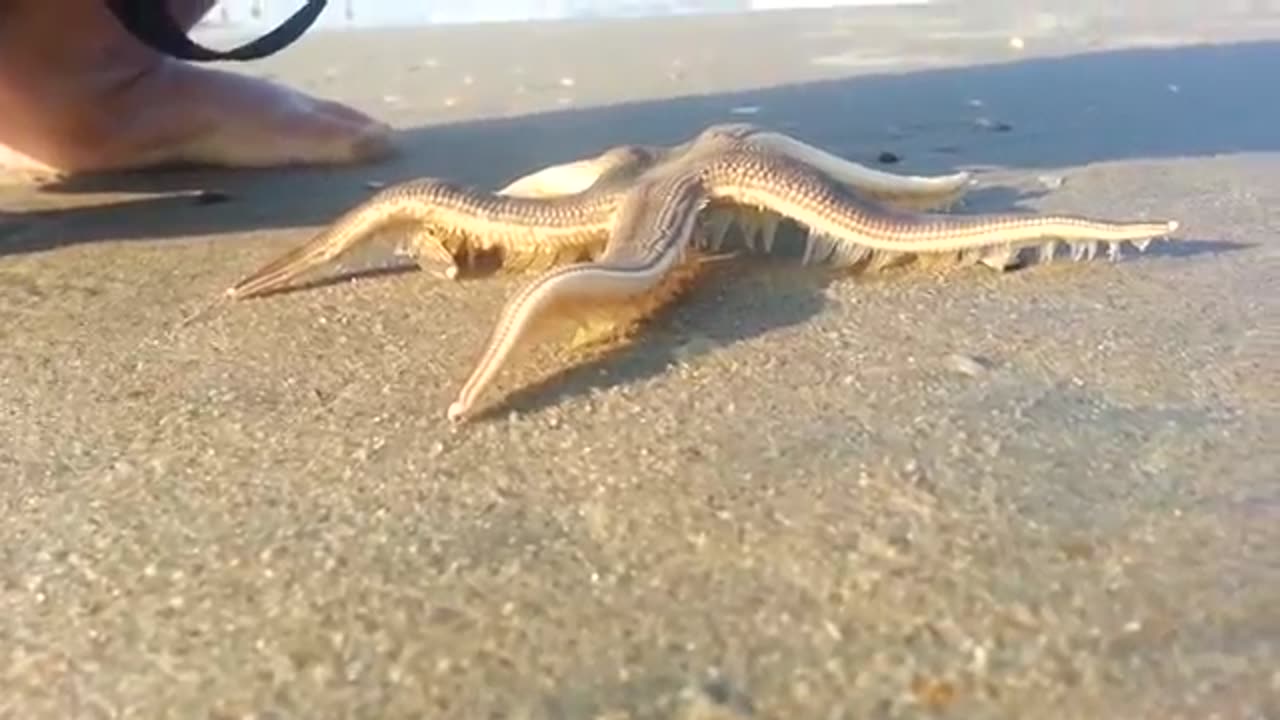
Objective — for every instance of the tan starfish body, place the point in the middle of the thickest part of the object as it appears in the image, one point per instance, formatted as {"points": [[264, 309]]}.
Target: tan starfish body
{"points": [[625, 231]]}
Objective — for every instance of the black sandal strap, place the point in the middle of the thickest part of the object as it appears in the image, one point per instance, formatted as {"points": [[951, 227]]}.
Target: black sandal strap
{"points": [[150, 22]]}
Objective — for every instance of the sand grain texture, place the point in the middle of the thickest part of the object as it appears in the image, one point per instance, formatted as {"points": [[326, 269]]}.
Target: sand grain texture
{"points": [[1045, 494]]}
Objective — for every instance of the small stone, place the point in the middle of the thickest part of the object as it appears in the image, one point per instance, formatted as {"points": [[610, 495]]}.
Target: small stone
{"points": [[936, 694], [992, 125], [212, 197], [978, 659], [887, 158], [122, 469], [967, 364]]}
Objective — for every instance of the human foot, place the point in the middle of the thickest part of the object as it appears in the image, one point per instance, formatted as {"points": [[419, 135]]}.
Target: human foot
{"points": [[88, 97]]}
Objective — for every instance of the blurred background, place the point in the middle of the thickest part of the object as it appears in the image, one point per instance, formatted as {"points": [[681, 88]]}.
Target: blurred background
{"points": [[247, 14]]}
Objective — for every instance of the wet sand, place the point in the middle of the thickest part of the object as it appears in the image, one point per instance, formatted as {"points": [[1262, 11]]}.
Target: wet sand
{"points": [[1051, 493]]}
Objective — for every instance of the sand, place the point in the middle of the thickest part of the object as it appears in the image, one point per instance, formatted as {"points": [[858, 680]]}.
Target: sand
{"points": [[1050, 493]]}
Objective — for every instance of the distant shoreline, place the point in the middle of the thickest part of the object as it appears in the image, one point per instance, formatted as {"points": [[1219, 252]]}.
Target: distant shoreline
{"points": [[365, 14]]}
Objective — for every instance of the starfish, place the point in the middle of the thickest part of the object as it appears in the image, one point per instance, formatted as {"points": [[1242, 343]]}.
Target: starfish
{"points": [[619, 235]]}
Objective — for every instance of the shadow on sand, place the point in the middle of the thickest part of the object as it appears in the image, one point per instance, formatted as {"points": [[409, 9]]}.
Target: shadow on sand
{"points": [[1066, 111]]}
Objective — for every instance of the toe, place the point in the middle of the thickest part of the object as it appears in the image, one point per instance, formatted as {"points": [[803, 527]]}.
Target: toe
{"points": [[235, 120]]}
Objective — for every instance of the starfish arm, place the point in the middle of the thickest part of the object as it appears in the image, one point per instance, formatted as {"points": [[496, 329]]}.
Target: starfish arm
{"points": [[845, 229], [616, 166], [450, 220], [638, 272], [918, 192], [568, 178]]}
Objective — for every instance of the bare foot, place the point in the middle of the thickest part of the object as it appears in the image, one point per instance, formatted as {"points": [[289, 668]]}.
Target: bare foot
{"points": [[79, 94]]}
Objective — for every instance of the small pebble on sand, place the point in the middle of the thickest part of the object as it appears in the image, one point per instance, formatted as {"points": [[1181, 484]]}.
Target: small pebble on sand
{"points": [[212, 197], [969, 365], [992, 125]]}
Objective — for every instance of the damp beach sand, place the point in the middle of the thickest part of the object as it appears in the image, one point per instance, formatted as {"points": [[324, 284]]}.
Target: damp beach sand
{"points": [[1050, 493]]}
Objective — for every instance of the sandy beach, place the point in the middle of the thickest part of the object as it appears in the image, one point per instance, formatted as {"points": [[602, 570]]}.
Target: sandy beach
{"points": [[1049, 493]]}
